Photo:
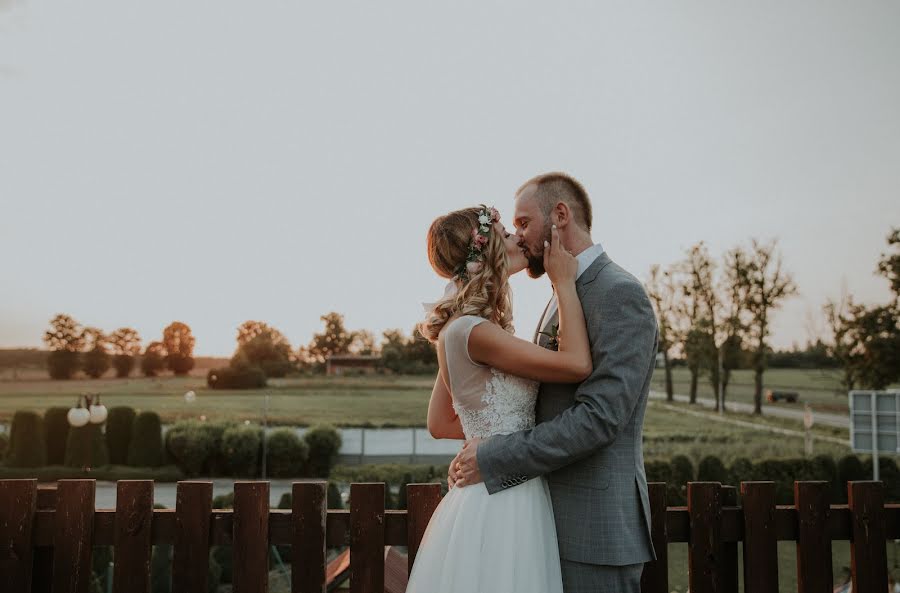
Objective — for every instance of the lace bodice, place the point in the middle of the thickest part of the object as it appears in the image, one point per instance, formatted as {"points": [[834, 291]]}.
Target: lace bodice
{"points": [[488, 401]]}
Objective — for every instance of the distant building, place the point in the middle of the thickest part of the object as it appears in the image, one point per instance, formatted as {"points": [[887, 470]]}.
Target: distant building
{"points": [[351, 364]]}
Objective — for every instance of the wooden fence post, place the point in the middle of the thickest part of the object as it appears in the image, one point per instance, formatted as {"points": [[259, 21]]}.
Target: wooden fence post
{"points": [[421, 501], [18, 503], [250, 545], [309, 517], [705, 546], [868, 554], [73, 532], [367, 538], [134, 518], [760, 542], [814, 568], [190, 554], [730, 549]]}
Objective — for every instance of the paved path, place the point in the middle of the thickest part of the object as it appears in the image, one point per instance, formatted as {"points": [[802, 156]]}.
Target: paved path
{"points": [[754, 425], [769, 410]]}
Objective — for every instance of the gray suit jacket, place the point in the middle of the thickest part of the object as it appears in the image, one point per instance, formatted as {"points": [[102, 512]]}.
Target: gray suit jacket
{"points": [[587, 439]]}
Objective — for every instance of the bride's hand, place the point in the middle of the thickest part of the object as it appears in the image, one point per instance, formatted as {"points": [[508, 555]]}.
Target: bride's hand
{"points": [[561, 266]]}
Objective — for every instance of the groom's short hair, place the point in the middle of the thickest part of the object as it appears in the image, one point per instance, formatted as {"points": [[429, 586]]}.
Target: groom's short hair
{"points": [[551, 188]]}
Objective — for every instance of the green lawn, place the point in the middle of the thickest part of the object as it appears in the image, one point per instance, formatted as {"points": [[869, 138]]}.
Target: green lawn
{"points": [[787, 565], [388, 401], [821, 388]]}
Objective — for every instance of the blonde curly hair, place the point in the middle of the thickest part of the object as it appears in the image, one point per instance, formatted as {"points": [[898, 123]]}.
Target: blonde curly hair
{"points": [[484, 293]]}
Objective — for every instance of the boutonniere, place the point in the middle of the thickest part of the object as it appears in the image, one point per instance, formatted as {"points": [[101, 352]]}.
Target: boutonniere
{"points": [[553, 335]]}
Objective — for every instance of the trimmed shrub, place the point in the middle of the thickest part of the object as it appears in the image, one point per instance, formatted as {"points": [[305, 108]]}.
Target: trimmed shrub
{"points": [[402, 494], [888, 473], [241, 446], [146, 447], [27, 445], [711, 469], [190, 445], [86, 447], [56, 432], [334, 497], [741, 471], [682, 472], [119, 424], [324, 443], [4, 446], [236, 378], [286, 454], [62, 364]]}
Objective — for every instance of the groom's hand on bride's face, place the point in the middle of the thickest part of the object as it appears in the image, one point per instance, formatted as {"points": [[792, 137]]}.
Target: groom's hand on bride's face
{"points": [[466, 464]]}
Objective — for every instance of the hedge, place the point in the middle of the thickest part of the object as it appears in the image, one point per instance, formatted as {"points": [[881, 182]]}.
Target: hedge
{"points": [[236, 378], [286, 454], [324, 442], [27, 445], [86, 447], [242, 446], [56, 432], [119, 424], [146, 447], [190, 444]]}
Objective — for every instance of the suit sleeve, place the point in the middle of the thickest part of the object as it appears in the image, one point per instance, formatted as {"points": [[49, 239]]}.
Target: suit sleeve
{"points": [[623, 347]]}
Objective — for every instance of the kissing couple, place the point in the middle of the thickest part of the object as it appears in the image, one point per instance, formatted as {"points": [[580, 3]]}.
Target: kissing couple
{"points": [[548, 493]]}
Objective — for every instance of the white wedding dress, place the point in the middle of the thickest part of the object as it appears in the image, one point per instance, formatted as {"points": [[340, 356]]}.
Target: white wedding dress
{"points": [[476, 542]]}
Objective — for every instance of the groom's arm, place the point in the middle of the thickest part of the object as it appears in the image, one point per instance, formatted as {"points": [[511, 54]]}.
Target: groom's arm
{"points": [[623, 346]]}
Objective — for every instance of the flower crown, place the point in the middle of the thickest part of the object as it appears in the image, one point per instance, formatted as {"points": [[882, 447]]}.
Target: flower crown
{"points": [[486, 218]]}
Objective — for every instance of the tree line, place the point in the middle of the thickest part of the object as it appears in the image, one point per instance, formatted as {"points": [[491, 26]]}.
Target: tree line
{"points": [[74, 347], [261, 350], [715, 316]]}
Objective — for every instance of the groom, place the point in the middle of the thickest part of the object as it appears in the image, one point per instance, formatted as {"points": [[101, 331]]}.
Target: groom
{"points": [[587, 440]]}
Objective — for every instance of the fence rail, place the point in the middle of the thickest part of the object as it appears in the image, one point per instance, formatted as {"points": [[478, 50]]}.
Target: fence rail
{"points": [[46, 535]]}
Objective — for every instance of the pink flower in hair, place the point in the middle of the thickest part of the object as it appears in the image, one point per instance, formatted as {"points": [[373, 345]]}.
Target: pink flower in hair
{"points": [[473, 267], [480, 241], [495, 215]]}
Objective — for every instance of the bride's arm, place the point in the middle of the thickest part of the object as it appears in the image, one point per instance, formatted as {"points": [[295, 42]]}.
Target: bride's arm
{"points": [[491, 345], [443, 422]]}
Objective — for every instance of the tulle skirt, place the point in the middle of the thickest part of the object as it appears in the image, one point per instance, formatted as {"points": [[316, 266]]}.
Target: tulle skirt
{"points": [[481, 543]]}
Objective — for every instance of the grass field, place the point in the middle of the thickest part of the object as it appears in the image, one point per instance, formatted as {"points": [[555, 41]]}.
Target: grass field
{"points": [[821, 388], [392, 401]]}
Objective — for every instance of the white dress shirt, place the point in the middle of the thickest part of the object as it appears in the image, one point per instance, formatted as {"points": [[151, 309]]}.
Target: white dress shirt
{"points": [[585, 259]]}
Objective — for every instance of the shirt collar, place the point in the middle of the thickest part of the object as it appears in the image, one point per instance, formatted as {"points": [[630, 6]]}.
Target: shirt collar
{"points": [[587, 257]]}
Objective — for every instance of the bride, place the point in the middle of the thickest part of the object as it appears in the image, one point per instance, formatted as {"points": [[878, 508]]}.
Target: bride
{"points": [[487, 384]]}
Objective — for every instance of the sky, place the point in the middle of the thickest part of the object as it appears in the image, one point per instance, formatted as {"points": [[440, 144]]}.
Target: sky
{"points": [[214, 162]]}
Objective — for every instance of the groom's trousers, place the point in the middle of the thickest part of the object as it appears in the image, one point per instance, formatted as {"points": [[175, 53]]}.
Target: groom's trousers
{"points": [[579, 577]]}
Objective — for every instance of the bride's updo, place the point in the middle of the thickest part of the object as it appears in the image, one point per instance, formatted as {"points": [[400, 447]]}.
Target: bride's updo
{"points": [[481, 290]]}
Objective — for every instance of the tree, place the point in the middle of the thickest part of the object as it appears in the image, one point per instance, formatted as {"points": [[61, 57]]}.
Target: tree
{"points": [[96, 359], [767, 285], [125, 344], [66, 340], [179, 344], [154, 359], [407, 355], [839, 318], [262, 346], [363, 343], [663, 293], [701, 311], [334, 339], [734, 314]]}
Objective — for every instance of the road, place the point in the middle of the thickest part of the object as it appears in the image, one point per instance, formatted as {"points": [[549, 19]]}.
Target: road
{"points": [[822, 418]]}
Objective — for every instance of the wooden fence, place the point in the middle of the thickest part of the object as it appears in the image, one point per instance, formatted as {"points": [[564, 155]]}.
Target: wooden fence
{"points": [[46, 535]]}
